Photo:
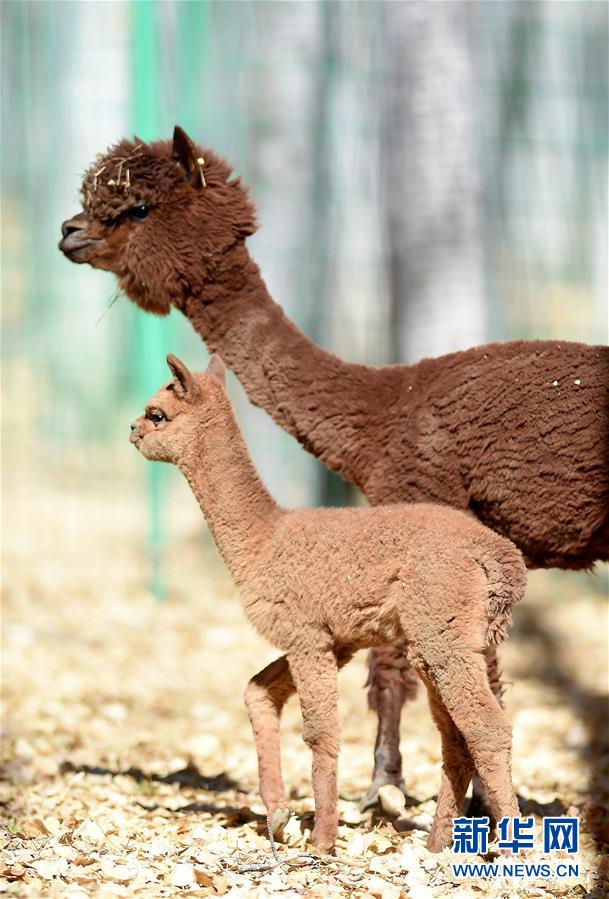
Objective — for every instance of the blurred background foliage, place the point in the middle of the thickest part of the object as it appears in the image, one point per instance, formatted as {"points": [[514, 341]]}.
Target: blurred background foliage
{"points": [[428, 176]]}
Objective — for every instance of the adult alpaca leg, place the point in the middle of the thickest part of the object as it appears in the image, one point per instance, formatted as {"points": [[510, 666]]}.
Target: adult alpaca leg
{"points": [[391, 682], [265, 696], [457, 769], [315, 676]]}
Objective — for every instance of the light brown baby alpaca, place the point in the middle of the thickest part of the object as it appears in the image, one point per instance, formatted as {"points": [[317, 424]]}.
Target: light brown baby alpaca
{"points": [[320, 584]]}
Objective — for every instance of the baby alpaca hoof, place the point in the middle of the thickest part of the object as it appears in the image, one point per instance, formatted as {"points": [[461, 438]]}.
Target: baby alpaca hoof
{"points": [[324, 842], [278, 820], [436, 842]]}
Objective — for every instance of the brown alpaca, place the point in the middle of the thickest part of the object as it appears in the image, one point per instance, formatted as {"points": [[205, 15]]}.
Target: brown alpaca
{"points": [[517, 433], [320, 584]]}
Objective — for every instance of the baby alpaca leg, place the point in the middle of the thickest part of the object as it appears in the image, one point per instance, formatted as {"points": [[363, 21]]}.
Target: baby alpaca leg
{"points": [[479, 804], [265, 696], [457, 768], [462, 682], [315, 676], [494, 672]]}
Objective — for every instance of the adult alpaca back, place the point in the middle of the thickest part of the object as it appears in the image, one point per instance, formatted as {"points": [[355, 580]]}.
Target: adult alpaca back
{"points": [[517, 433]]}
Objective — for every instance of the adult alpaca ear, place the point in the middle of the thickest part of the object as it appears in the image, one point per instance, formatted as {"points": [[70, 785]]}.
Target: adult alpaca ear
{"points": [[185, 384], [186, 154], [217, 369]]}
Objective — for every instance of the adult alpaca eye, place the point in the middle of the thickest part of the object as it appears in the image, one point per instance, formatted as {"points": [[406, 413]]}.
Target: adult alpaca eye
{"points": [[156, 416], [137, 213]]}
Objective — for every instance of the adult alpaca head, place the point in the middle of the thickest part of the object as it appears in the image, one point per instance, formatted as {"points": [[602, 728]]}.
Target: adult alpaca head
{"points": [[159, 216]]}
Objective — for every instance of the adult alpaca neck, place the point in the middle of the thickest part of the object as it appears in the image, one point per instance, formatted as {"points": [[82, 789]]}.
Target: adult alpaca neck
{"points": [[327, 404], [239, 510]]}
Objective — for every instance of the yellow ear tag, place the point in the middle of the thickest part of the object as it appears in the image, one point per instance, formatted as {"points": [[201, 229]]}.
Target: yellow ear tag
{"points": [[201, 163]]}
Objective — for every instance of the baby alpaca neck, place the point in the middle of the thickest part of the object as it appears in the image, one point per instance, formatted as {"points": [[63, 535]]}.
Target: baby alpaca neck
{"points": [[239, 510]]}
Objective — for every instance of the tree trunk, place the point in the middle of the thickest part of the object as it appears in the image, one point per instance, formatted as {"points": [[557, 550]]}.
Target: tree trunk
{"points": [[430, 179]]}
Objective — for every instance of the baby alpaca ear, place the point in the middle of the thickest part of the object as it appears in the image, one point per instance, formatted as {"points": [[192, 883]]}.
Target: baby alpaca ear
{"points": [[217, 369], [185, 384], [186, 153]]}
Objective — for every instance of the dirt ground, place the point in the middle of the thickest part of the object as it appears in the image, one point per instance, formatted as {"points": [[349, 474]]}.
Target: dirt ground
{"points": [[129, 768]]}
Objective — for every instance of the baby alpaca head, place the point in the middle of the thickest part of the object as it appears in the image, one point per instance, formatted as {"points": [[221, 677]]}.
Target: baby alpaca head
{"points": [[179, 411], [159, 216]]}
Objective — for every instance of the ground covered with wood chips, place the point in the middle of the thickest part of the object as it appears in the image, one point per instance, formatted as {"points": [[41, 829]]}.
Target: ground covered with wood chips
{"points": [[129, 768]]}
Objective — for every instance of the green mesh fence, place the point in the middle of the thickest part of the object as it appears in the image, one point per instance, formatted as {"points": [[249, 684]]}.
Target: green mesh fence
{"points": [[292, 94]]}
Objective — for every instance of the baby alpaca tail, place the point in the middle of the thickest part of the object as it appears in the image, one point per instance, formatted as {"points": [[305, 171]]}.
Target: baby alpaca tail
{"points": [[506, 576]]}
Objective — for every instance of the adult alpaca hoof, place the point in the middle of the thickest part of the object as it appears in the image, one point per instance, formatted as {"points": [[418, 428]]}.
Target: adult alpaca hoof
{"points": [[372, 796], [278, 820], [478, 807]]}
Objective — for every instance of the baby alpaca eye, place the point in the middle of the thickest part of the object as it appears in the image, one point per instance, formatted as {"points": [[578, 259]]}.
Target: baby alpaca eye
{"points": [[156, 416], [137, 213]]}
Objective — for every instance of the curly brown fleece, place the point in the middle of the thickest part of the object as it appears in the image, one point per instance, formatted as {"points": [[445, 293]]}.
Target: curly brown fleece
{"points": [[517, 433], [320, 584]]}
